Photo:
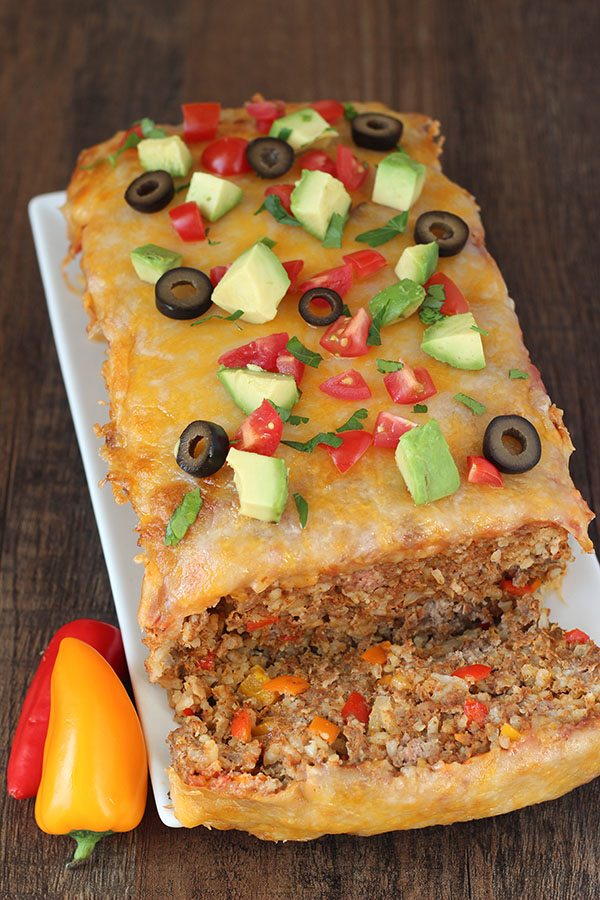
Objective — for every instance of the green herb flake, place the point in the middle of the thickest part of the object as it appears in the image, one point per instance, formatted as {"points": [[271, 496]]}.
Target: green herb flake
{"points": [[132, 140], [149, 129], [420, 408], [335, 230], [480, 330], [429, 311], [323, 437], [232, 318], [350, 112], [388, 365], [517, 373], [183, 516], [346, 311], [273, 205], [286, 416], [268, 242], [306, 356], [353, 423], [374, 335], [284, 134], [302, 507], [476, 408], [391, 229], [182, 187]]}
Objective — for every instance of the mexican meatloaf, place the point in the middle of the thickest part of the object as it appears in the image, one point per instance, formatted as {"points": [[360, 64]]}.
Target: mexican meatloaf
{"points": [[370, 568]]}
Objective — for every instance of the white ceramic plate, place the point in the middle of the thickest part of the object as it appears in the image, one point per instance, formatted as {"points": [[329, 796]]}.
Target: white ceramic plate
{"points": [[80, 361]]}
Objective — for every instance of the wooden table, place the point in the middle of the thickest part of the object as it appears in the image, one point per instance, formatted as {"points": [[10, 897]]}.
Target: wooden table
{"points": [[515, 87]]}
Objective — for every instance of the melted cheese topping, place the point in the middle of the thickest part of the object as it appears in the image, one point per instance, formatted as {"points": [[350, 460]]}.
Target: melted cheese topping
{"points": [[161, 375]]}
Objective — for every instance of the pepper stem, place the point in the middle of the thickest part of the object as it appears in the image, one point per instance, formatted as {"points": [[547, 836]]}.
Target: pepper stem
{"points": [[86, 841]]}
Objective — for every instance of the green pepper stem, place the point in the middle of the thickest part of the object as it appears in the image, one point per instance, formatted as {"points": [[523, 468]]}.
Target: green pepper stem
{"points": [[86, 841]]}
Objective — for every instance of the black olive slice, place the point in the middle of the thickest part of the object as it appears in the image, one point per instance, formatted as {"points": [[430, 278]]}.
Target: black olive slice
{"points": [[512, 444], [270, 157], [332, 297], [191, 300], [211, 455], [376, 131], [150, 192], [450, 232]]}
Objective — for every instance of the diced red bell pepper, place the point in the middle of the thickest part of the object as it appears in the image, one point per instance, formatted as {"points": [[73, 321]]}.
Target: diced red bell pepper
{"points": [[262, 623], [262, 352], [356, 706], [241, 725], [348, 336], [187, 222], [261, 431], [317, 160], [408, 386], [354, 444], [293, 268], [188, 711], [207, 662], [200, 121], [389, 428], [365, 262], [576, 636], [216, 273], [348, 385], [265, 112], [226, 156], [507, 585], [348, 169], [473, 673], [482, 471], [455, 301], [284, 192], [476, 711], [287, 364], [330, 110], [338, 279]]}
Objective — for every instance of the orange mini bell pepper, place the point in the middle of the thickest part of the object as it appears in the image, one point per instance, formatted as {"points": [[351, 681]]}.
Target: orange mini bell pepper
{"points": [[94, 774]]}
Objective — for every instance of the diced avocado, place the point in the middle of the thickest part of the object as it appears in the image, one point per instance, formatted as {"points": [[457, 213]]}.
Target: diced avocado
{"points": [[169, 154], [426, 464], [255, 283], [399, 300], [301, 128], [261, 483], [151, 261], [249, 387], [215, 196], [398, 181], [418, 262], [455, 341], [316, 197]]}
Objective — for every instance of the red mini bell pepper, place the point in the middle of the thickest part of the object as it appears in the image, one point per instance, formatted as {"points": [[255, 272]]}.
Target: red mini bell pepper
{"points": [[25, 763]]}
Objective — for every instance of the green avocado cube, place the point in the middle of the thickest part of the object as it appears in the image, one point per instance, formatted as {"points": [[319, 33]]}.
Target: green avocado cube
{"points": [[418, 262], [455, 340], [314, 200], [399, 181], [399, 301], [255, 283], [301, 128], [249, 387], [213, 195], [426, 464], [169, 154], [151, 261], [261, 483]]}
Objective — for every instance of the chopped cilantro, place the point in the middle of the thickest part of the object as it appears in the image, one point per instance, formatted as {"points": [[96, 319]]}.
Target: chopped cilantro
{"points": [[149, 129], [476, 408], [182, 187], [268, 242], [432, 304], [286, 416], [232, 318], [346, 311], [297, 349], [273, 205], [374, 335], [302, 507], [284, 134], [517, 373], [323, 437], [377, 236], [350, 112], [335, 230], [388, 365], [132, 140], [211, 243], [183, 516], [480, 330], [420, 408], [353, 423]]}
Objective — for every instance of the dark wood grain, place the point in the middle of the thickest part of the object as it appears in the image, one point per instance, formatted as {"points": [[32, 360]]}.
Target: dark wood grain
{"points": [[515, 85]]}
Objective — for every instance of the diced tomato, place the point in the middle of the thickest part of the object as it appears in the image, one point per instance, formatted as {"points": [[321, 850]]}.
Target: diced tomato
{"points": [[476, 711], [262, 352], [331, 110], [408, 386], [354, 444], [284, 192], [349, 170], [241, 725], [216, 273], [206, 662], [389, 428], [187, 222], [261, 431], [348, 385], [510, 588], [482, 471], [262, 623], [135, 129], [287, 364], [265, 112], [338, 279], [226, 156], [576, 636], [348, 337], [293, 268], [356, 706], [365, 262], [455, 301], [317, 160], [472, 673], [200, 121]]}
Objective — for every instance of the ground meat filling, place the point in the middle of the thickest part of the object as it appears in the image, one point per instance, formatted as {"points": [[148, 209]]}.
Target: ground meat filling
{"points": [[412, 710]]}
